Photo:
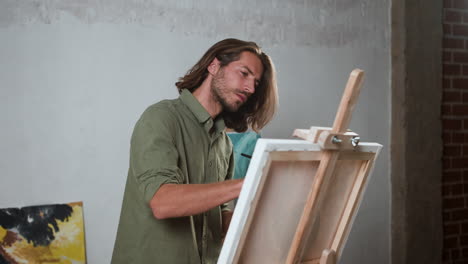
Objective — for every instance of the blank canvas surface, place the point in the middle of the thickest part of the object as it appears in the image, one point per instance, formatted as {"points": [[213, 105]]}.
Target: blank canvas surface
{"points": [[279, 208]]}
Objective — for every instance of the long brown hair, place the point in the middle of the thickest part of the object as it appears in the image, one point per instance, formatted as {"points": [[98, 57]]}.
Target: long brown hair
{"points": [[261, 106]]}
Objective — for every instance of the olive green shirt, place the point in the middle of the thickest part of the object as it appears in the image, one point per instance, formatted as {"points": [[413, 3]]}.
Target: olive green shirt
{"points": [[174, 141]]}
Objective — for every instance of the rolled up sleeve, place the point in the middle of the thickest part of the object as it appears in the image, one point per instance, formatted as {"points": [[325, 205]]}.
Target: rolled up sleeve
{"points": [[153, 153]]}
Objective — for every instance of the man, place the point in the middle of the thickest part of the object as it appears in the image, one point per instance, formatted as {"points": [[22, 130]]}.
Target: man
{"points": [[181, 161]]}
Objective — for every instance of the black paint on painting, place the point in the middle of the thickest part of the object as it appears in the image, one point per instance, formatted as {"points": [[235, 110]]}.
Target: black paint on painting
{"points": [[2, 260], [35, 223]]}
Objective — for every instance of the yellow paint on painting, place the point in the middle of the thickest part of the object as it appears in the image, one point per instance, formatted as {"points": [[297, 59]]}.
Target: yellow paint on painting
{"points": [[3, 233], [69, 242], [68, 246], [23, 252]]}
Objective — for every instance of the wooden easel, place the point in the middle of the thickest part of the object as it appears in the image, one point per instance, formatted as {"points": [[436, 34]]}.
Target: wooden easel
{"points": [[326, 174], [332, 141]]}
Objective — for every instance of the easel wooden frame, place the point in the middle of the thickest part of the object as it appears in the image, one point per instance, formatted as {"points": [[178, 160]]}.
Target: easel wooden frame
{"points": [[259, 213]]}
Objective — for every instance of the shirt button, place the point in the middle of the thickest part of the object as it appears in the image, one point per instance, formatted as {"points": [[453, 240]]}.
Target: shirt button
{"points": [[210, 163]]}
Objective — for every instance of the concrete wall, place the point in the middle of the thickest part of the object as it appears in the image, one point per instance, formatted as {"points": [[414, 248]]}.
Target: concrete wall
{"points": [[75, 76], [416, 136]]}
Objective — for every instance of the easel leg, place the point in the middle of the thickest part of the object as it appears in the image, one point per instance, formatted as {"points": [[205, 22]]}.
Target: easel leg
{"points": [[328, 257]]}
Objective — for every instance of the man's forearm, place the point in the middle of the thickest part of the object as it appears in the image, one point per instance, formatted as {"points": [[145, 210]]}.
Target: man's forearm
{"points": [[176, 200]]}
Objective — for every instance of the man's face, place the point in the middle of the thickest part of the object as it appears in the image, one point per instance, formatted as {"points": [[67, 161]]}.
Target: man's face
{"points": [[234, 83]]}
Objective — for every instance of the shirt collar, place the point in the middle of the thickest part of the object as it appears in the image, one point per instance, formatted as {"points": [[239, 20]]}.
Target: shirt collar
{"points": [[200, 112]]}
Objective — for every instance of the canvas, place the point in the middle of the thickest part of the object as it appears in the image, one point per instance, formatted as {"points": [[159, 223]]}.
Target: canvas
{"points": [[42, 234], [275, 190]]}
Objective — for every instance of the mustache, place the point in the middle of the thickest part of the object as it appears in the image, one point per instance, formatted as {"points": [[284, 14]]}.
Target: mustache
{"points": [[244, 93]]}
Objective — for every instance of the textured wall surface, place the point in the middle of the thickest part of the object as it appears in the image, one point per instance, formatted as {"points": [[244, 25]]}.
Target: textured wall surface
{"points": [[76, 75], [416, 132], [455, 132], [328, 23]]}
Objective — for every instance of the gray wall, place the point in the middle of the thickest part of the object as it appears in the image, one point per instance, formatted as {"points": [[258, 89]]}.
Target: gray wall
{"points": [[416, 132], [75, 76]]}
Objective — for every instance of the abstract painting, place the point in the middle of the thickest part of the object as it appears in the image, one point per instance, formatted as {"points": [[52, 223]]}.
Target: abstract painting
{"points": [[42, 234]]}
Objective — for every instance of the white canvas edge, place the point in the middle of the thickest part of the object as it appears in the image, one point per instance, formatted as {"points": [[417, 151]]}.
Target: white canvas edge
{"points": [[252, 179]]}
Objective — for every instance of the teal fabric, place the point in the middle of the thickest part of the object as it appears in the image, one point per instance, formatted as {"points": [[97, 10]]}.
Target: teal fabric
{"points": [[244, 143]]}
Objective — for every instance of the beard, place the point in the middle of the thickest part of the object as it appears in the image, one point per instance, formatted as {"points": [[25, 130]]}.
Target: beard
{"points": [[221, 92]]}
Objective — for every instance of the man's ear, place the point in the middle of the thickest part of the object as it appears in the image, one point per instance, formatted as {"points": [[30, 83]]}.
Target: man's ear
{"points": [[214, 66]]}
